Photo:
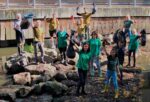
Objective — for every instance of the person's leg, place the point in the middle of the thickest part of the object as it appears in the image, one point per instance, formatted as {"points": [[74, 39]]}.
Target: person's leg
{"points": [[129, 58], [41, 48], [19, 48], [84, 80], [134, 58], [80, 81], [115, 82], [92, 70], [64, 55], [108, 77], [98, 66], [61, 54], [129, 32], [35, 51]]}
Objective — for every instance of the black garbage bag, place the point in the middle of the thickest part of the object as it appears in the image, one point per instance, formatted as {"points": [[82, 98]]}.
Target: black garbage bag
{"points": [[26, 21], [143, 37]]}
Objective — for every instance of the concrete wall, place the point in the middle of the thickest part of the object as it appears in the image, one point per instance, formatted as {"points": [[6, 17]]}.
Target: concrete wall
{"points": [[106, 20]]}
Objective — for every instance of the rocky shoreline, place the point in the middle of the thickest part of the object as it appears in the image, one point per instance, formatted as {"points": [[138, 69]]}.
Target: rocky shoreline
{"points": [[55, 82]]}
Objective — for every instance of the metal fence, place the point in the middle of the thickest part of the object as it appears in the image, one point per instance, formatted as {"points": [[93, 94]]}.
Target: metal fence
{"points": [[60, 3]]}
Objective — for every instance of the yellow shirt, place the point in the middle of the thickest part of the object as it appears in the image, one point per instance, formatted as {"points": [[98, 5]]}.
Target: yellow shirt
{"points": [[81, 29], [53, 23], [87, 18], [38, 34]]}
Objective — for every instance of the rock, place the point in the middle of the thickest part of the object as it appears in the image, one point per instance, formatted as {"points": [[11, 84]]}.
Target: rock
{"points": [[55, 88], [42, 98], [60, 76], [36, 79], [15, 64], [72, 76], [24, 91], [132, 70], [69, 83], [63, 68], [8, 93], [71, 62], [41, 68], [23, 78], [38, 88]]}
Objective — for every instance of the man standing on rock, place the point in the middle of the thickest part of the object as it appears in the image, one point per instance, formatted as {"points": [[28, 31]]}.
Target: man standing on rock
{"points": [[53, 26], [87, 17], [19, 33], [38, 40]]}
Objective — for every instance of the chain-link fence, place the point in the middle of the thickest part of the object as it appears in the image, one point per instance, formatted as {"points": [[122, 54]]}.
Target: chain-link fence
{"points": [[60, 3]]}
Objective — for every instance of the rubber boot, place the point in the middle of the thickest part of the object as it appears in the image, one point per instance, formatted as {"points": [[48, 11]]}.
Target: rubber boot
{"points": [[105, 89], [116, 94]]}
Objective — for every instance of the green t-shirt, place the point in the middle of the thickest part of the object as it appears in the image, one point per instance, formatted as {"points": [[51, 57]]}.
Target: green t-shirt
{"points": [[112, 63], [83, 61], [95, 45], [127, 23], [134, 42], [62, 39]]}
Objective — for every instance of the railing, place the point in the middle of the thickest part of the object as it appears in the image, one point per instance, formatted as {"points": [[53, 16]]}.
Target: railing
{"points": [[60, 3]]}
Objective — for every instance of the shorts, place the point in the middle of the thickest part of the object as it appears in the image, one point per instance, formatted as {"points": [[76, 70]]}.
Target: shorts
{"points": [[52, 32]]}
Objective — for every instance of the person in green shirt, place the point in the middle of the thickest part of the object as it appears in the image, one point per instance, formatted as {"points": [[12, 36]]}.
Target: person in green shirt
{"points": [[62, 44], [95, 48], [83, 66], [127, 25], [133, 47], [112, 69]]}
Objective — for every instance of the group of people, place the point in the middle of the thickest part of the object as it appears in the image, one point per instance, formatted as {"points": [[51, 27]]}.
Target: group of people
{"points": [[89, 54]]}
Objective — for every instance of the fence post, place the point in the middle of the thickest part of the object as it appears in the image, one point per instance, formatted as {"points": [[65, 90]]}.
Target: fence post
{"points": [[60, 3], [34, 2], [83, 2], [7, 3], [134, 2], [110, 2]]}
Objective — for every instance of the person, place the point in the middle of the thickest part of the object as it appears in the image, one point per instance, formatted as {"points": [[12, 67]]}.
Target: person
{"points": [[133, 47], [127, 25], [20, 38], [80, 29], [83, 65], [62, 44], [38, 40], [86, 20], [112, 71], [121, 54], [95, 48], [53, 26]]}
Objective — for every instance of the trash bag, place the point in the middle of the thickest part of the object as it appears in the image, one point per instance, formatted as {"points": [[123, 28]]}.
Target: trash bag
{"points": [[70, 51], [26, 21], [143, 37]]}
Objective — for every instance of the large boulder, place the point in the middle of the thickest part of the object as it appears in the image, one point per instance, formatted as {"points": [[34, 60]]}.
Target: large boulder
{"points": [[15, 64], [55, 88], [64, 69], [72, 75], [60, 76], [35, 79], [38, 88], [69, 83], [8, 93], [46, 70], [23, 78]]}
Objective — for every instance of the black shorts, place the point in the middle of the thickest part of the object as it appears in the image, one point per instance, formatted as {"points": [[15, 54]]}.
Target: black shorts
{"points": [[63, 49], [19, 37], [52, 32]]}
